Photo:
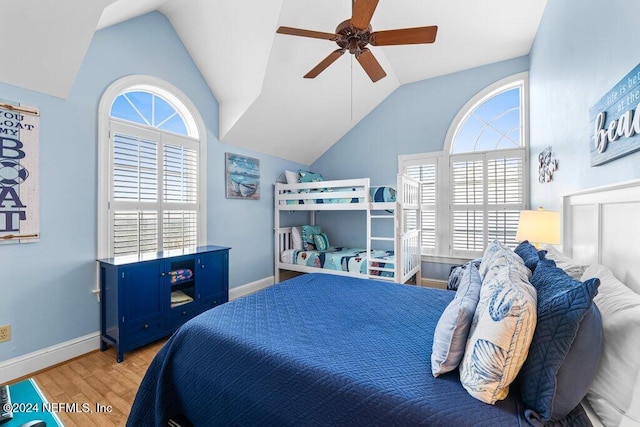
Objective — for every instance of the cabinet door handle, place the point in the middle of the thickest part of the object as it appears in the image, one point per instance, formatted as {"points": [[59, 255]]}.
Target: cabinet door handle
{"points": [[184, 313], [162, 274], [146, 326], [201, 265]]}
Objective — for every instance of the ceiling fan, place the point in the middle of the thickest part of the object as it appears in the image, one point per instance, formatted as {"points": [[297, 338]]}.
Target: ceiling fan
{"points": [[356, 33]]}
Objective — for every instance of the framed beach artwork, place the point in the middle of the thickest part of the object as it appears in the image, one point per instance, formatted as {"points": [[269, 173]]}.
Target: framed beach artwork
{"points": [[242, 177]]}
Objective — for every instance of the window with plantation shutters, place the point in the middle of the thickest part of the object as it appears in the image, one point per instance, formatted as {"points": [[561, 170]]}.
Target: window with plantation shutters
{"points": [[153, 201], [473, 191], [425, 171]]}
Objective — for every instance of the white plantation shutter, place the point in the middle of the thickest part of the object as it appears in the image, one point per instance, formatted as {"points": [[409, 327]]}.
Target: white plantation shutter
{"points": [[426, 172], [154, 196], [467, 199], [486, 200]]}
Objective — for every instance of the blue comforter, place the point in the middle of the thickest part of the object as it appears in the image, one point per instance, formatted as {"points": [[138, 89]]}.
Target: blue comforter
{"points": [[319, 350]]}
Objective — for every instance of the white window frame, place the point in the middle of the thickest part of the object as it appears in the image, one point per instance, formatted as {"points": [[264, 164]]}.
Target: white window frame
{"points": [[444, 246], [195, 128]]}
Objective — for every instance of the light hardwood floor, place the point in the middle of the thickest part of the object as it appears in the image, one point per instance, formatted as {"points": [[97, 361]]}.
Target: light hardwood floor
{"points": [[96, 378]]}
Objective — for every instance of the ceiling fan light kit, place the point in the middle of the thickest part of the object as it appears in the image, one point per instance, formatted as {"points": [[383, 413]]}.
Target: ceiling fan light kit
{"points": [[356, 33]]}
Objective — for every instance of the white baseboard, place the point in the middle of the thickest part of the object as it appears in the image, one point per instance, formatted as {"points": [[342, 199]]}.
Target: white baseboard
{"points": [[249, 288], [433, 283], [38, 360]]}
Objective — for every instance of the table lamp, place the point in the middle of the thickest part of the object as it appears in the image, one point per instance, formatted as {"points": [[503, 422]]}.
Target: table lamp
{"points": [[539, 227]]}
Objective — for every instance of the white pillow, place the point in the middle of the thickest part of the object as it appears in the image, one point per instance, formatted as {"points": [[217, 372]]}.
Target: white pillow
{"points": [[502, 328], [292, 177], [565, 263], [615, 391], [296, 238]]}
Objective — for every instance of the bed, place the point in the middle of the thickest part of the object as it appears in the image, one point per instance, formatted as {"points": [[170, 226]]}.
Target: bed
{"points": [[396, 205], [330, 350]]}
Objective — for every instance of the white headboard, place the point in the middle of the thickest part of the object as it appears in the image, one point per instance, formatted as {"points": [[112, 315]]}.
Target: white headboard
{"points": [[602, 225]]}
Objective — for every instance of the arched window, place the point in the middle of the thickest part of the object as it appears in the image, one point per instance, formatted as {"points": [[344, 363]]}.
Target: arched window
{"points": [[474, 190], [152, 169]]}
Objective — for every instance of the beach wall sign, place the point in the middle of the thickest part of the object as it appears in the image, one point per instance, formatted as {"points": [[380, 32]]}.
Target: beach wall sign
{"points": [[19, 197], [615, 121]]}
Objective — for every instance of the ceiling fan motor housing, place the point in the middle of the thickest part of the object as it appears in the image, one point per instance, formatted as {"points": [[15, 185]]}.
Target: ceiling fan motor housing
{"points": [[352, 38]]}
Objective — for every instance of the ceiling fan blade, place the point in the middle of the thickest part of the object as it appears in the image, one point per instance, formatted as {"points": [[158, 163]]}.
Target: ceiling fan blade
{"points": [[362, 12], [306, 33], [324, 63], [371, 65], [404, 36]]}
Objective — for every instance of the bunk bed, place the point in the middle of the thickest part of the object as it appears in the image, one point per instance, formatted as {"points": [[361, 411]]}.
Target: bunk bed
{"points": [[399, 204]]}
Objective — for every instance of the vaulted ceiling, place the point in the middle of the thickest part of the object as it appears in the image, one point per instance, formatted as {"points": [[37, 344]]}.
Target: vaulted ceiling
{"points": [[256, 74]]}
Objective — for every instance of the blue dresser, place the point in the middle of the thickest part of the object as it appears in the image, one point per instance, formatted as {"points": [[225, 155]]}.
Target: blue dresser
{"points": [[147, 297]]}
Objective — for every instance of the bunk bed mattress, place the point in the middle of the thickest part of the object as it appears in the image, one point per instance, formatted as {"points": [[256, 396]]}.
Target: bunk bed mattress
{"points": [[315, 350], [341, 259], [378, 194]]}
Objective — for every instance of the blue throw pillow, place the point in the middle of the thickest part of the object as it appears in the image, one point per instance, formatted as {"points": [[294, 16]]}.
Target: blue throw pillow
{"points": [[307, 176], [322, 241], [308, 231], [529, 254], [563, 305], [452, 330]]}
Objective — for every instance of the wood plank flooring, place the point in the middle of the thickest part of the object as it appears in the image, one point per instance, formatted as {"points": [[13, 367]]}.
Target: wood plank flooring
{"points": [[96, 378]]}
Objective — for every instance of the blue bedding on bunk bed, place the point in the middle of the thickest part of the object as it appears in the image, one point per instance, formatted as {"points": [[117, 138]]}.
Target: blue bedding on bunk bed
{"points": [[353, 260], [315, 350], [378, 194]]}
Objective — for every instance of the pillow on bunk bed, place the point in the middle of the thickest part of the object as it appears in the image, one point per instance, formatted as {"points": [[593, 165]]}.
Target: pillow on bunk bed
{"points": [[291, 177], [308, 241], [296, 238], [308, 176], [322, 241]]}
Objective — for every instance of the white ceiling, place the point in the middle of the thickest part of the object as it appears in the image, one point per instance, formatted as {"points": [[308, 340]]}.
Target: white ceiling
{"points": [[256, 74]]}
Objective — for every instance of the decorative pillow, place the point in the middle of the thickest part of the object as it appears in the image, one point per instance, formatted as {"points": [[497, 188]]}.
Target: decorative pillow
{"points": [[452, 330], [562, 261], [496, 256], [292, 177], [308, 242], [615, 391], [456, 272], [307, 176], [547, 392], [529, 254], [322, 241], [501, 331], [296, 238]]}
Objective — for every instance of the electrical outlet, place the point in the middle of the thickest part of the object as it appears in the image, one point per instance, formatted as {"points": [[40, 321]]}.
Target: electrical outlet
{"points": [[5, 333]]}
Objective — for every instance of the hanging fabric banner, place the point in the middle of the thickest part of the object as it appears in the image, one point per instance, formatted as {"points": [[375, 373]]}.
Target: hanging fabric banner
{"points": [[19, 196]]}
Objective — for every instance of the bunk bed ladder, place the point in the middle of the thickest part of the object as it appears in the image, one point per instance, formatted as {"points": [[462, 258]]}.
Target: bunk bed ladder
{"points": [[374, 268]]}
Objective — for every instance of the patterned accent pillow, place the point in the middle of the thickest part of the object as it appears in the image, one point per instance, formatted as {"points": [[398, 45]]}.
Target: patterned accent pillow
{"points": [[307, 176], [308, 242], [563, 303], [452, 330], [322, 241], [502, 328]]}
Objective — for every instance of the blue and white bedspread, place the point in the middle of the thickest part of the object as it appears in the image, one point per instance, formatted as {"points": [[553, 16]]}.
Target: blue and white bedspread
{"points": [[378, 194], [344, 259], [319, 350]]}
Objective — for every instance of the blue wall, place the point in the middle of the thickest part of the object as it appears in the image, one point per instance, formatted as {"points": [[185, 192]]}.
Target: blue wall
{"points": [[582, 49], [413, 119], [45, 289]]}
